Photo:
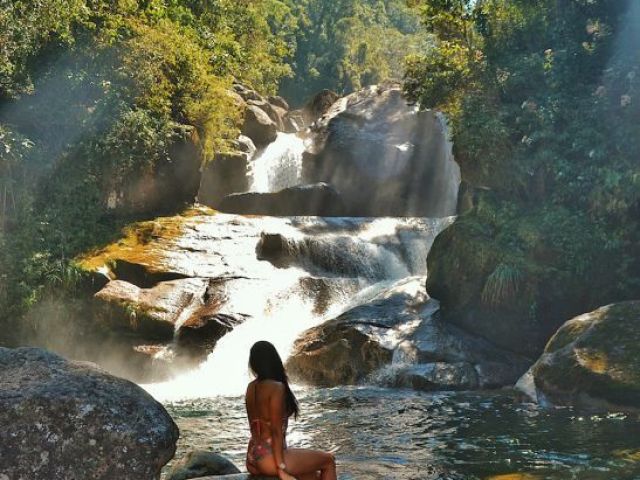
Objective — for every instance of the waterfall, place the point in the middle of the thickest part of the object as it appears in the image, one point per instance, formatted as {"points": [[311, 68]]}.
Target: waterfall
{"points": [[361, 257], [279, 165], [385, 158]]}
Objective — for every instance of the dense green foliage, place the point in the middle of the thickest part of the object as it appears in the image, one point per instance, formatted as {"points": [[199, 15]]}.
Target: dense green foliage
{"points": [[343, 45], [93, 94], [543, 97]]}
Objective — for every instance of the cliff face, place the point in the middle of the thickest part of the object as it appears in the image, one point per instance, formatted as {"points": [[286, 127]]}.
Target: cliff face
{"points": [[386, 157]]}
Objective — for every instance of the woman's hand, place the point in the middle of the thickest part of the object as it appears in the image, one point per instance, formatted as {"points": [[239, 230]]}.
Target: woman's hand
{"points": [[284, 475]]}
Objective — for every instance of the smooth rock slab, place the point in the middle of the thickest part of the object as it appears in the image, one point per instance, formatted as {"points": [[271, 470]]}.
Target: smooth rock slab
{"points": [[318, 199], [70, 420]]}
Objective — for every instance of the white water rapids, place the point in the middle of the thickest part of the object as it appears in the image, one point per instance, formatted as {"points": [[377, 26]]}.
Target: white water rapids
{"points": [[333, 264], [320, 267]]}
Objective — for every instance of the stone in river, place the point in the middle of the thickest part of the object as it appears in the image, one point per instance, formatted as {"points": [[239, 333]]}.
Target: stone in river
{"points": [[258, 126], [593, 361], [70, 420], [401, 322], [199, 463]]}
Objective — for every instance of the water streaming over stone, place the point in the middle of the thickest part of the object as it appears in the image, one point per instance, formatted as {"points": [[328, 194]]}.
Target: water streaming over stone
{"points": [[279, 165], [321, 267]]}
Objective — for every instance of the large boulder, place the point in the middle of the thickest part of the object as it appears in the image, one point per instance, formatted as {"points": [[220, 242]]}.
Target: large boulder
{"points": [[227, 173], [258, 126], [190, 313], [152, 312], [318, 199], [512, 278], [247, 93], [397, 338], [200, 463], [63, 419], [465, 267], [592, 361], [385, 156], [199, 334], [278, 101], [275, 113]]}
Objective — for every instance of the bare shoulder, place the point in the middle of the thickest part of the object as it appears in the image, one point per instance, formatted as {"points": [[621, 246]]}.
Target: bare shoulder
{"points": [[274, 386]]}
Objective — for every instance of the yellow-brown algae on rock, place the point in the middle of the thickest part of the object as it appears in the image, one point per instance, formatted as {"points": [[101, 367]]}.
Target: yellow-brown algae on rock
{"points": [[515, 476], [627, 455]]}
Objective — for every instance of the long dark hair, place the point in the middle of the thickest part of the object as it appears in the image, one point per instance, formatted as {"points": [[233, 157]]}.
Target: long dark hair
{"points": [[266, 364]]}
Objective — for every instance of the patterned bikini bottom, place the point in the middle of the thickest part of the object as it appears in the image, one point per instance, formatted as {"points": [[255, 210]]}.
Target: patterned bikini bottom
{"points": [[258, 449]]}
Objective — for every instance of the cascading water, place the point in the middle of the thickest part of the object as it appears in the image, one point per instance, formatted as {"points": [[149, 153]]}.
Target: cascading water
{"points": [[279, 165], [333, 264]]}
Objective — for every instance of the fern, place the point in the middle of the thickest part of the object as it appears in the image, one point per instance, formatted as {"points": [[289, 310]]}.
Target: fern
{"points": [[502, 285]]}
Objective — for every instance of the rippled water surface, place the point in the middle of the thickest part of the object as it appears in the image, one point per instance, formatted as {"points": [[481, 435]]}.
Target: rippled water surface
{"points": [[397, 434]]}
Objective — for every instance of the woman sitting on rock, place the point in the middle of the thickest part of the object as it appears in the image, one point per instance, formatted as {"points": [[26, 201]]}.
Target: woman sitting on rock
{"points": [[270, 402]]}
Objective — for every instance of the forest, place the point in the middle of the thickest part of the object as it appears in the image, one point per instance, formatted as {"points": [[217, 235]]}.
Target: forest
{"points": [[542, 98]]}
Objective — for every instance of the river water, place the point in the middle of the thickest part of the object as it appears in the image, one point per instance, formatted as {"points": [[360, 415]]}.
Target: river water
{"points": [[399, 434]]}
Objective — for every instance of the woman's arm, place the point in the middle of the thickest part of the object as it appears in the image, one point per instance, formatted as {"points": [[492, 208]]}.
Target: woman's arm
{"points": [[276, 412]]}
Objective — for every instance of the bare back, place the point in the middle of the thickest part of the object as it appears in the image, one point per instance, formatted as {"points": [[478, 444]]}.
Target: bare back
{"points": [[258, 398]]}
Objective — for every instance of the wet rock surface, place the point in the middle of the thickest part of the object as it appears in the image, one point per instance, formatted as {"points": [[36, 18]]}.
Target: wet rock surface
{"points": [[66, 420], [199, 463], [384, 156], [398, 339], [592, 361], [319, 105], [316, 199], [153, 312], [216, 263], [258, 126], [227, 173]]}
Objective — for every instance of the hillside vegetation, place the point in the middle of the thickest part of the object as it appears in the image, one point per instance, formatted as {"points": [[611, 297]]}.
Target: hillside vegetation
{"points": [[96, 95], [545, 106]]}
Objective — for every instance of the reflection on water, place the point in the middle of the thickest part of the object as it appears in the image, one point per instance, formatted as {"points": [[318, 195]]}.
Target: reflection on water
{"points": [[399, 434]]}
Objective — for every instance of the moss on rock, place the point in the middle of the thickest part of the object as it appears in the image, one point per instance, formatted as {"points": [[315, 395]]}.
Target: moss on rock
{"points": [[594, 359], [144, 243]]}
